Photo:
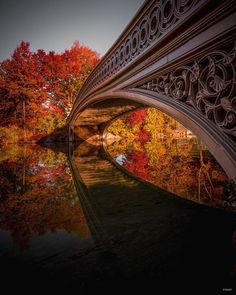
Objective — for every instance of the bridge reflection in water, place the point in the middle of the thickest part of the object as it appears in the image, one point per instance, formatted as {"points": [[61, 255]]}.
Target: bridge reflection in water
{"points": [[155, 148], [147, 235], [115, 231]]}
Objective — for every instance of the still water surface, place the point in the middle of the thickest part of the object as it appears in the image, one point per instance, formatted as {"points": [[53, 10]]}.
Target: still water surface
{"points": [[156, 148], [82, 222]]}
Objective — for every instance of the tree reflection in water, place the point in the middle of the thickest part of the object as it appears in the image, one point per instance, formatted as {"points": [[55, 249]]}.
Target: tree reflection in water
{"points": [[133, 232], [37, 194], [158, 149]]}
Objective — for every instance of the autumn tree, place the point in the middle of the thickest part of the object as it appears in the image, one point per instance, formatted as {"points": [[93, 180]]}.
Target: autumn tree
{"points": [[78, 63], [21, 83], [38, 88], [66, 72]]}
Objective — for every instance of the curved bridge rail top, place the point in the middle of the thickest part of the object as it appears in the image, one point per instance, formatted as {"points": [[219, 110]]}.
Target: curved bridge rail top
{"points": [[179, 56], [151, 23]]}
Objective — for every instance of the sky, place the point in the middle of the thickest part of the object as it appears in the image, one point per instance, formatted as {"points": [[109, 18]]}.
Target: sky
{"points": [[56, 24]]}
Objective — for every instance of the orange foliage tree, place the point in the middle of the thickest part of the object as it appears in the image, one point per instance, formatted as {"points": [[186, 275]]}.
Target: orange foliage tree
{"points": [[35, 85], [37, 195]]}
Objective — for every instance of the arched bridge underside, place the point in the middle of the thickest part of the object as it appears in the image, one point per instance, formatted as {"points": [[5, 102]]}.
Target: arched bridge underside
{"points": [[178, 56]]}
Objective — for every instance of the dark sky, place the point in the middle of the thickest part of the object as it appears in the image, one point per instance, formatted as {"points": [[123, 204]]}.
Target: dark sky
{"points": [[56, 24]]}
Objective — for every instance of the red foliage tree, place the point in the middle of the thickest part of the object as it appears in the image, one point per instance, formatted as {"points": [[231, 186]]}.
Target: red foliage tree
{"points": [[66, 72], [135, 118], [35, 84], [137, 163], [142, 136], [21, 83]]}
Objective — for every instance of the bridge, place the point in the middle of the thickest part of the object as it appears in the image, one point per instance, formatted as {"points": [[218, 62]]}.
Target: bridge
{"points": [[179, 57]]}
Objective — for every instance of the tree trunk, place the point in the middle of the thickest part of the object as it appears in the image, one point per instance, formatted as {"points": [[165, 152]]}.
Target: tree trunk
{"points": [[24, 170], [23, 119], [15, 129]]}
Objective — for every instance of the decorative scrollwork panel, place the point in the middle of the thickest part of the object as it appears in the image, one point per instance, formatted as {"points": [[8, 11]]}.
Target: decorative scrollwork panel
{"points": [[208, 84]]}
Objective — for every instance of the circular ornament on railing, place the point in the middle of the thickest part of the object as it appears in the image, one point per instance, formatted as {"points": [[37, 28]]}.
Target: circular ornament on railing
{"points": [[122, 55], [135, 42], [127, 49], [143, 33], [166, 15], [112, 64], [153, 24], [117, 60]]}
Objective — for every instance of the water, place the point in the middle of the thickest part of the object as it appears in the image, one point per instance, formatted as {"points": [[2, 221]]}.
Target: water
{"points": [[157, 149], [82, 223]]}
